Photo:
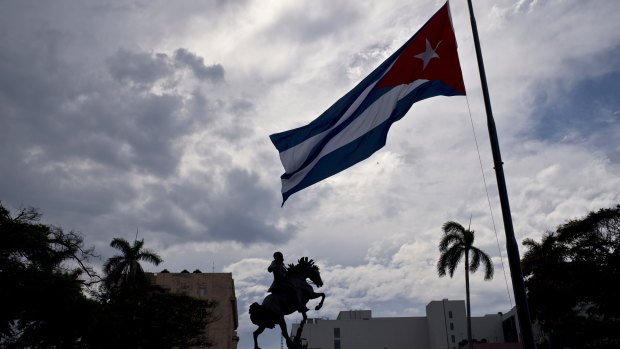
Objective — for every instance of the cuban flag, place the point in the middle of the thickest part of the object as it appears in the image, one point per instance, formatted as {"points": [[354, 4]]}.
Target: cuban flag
{"points": [[357, 125]]}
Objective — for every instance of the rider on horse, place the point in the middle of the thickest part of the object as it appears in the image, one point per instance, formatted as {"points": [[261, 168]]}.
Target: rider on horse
{"points": [[290, 292], [279, 284]]}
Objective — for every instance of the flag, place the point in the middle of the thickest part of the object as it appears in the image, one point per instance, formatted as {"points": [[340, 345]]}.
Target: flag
{"points": [[356, 126]]}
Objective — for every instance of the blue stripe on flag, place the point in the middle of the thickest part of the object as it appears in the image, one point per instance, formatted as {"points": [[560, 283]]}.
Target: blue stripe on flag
{"points": [[343, 158], [288, 139], [367, 144], [318, 147]]}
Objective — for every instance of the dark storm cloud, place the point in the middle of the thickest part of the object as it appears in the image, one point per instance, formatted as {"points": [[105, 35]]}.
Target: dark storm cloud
{"points": [[138, 67], [67, 113], [209, 207], [196, 64], [147, 68], [81, 138], [245, 195]]}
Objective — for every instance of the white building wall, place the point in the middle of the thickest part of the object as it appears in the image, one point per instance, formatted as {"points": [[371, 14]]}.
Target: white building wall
{"points": [[488, 327], [379, 333], [447, 323], [444, 326]]}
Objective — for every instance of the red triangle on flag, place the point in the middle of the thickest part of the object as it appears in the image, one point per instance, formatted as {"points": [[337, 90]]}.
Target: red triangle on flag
{"points": [[430, 55]]}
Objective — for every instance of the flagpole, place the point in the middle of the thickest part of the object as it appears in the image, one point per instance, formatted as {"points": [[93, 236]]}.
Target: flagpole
{"points": [[514, 261]]}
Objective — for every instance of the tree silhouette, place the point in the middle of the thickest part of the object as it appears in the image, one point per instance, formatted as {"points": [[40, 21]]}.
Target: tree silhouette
{"points": [[571, 279], [456, 243], [43, 272], [124, 271]]}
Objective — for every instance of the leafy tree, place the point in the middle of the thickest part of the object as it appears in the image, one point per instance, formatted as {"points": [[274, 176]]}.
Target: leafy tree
{"points": [[44, 273], [124, 270], [137, 314], [153, 318], [41, 272], [571, 281], [456, 243], [176, 320]]}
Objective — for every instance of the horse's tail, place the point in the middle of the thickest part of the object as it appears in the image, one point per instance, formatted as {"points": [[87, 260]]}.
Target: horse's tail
{"points": [[260, 316]]}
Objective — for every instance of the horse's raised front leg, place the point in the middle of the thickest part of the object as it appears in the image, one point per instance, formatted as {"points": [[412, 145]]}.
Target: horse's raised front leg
{"points": [[317, 295], [258, 331]]}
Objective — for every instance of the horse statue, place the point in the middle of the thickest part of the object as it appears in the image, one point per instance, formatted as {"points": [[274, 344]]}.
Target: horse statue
{"points": [[278, 304]]}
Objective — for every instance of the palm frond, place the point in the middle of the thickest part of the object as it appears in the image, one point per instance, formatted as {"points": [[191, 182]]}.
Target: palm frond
{"points": [[442, 264], [455, 254], [449, 239], [479, 256], [149, 256], [137, 245], [453, 227], [474, 262], [531, 243], [121, 244], [112, 263]]}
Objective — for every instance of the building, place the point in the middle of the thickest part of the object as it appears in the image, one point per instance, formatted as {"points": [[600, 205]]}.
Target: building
{"points": [[444, 326], [219, 287]]}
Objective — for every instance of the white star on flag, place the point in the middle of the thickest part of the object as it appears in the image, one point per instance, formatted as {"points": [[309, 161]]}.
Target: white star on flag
{"points": [[429, 54]]}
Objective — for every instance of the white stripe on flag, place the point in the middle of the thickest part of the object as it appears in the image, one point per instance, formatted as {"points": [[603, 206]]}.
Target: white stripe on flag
{"points": [[370, 118], [294, 157]]}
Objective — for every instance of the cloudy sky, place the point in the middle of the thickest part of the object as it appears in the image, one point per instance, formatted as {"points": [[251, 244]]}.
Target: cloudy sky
{"points": [[155, 115]]}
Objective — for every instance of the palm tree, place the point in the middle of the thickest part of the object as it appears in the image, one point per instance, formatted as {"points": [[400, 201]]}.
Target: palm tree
{"points": [[544, 256], [124, 270], [456, 243]]}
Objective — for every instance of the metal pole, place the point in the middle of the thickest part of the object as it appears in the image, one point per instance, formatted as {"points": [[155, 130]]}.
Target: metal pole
{"points": [[512, 248]]}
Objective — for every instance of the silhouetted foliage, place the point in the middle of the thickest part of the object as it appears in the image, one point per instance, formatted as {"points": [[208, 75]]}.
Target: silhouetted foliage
{"points": [[43, 274], [41, 267], [571, 278], [152, 318], [124, 272], [137, 314], [456, 243]]}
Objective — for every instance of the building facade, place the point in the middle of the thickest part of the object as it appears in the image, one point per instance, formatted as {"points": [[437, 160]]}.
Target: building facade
{"points": [[219, 287], [444, 326]]}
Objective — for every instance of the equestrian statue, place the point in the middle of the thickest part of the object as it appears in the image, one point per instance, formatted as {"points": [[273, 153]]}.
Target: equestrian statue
{"points": [[289, 292]]}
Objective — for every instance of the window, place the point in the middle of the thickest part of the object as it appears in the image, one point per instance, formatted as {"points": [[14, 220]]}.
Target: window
{"points": [[450, 314], [201, 292], [336, 338], [453, 339], [452, 326]]}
